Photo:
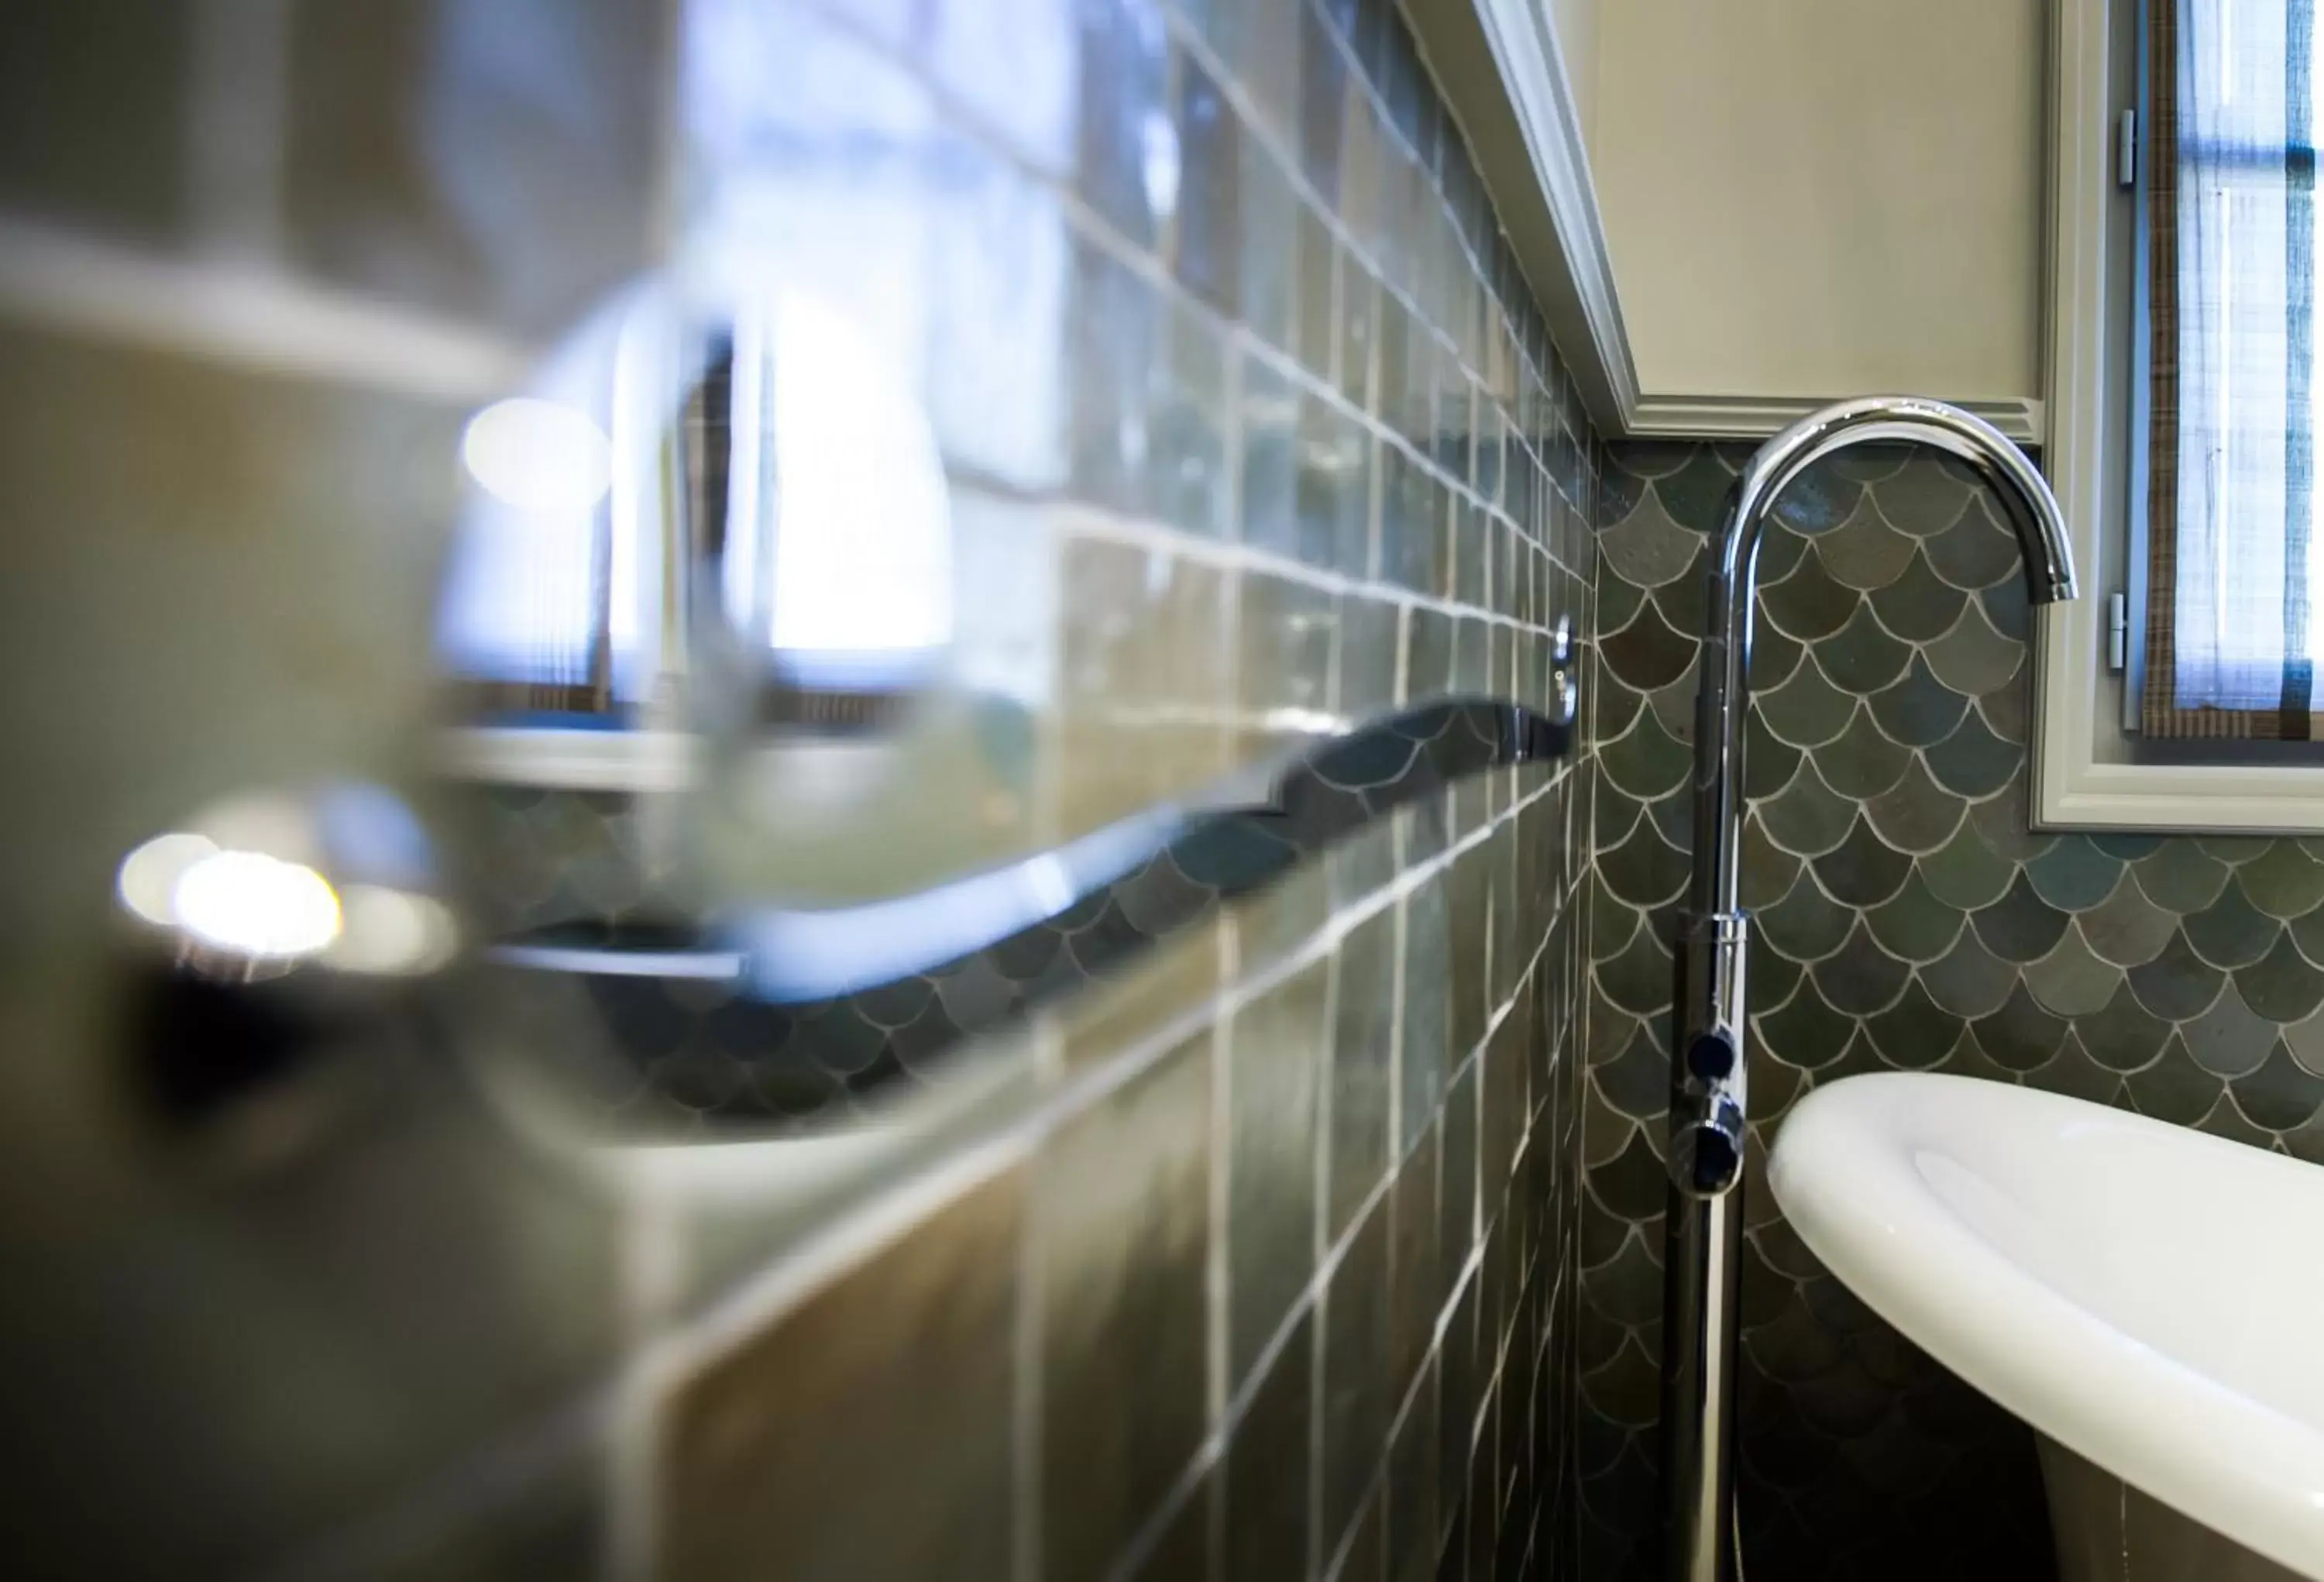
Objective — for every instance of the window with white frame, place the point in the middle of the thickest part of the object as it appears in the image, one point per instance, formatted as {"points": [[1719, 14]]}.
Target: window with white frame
{"points": [[2226, 376]]}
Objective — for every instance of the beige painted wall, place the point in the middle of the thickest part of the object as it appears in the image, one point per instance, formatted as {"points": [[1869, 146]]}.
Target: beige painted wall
{"points": [[1575, 24], [1816, 198]]}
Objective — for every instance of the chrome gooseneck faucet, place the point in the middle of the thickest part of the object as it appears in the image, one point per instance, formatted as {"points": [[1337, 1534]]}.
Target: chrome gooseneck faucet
{"points": [[1703, 1228]]}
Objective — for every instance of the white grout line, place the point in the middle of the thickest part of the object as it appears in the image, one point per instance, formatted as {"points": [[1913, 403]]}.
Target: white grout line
{"points": [[1099, 525], [246, 317]]}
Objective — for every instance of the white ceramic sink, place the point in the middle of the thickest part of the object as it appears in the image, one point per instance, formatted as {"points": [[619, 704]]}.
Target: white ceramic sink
{"points": [[2148, 1298]]}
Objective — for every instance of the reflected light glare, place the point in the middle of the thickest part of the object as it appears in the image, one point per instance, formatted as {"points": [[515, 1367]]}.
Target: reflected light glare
{"points": [[149, 875], [255, 906], [392, 932], [538, 455]]}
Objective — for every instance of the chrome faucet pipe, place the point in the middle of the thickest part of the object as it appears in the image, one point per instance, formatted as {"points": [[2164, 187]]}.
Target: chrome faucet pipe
{"points": [[1702, 1229]]}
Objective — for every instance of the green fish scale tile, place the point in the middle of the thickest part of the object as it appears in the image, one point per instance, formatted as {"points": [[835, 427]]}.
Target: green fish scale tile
{"points": [[2006, 609], [2306, 1039], [1917, 814], [1775, 1089], [2282, 985], [1861, 763], [1922, 500], [2001, 822], [1647, 549], [1862, 870], [1916, 1033], [2226, 1120], [1793, 1347], [2279, 1096], [2071, 1072], [1612, 706], [1804, 1031], [2126, 929], [2005, 713], [1618, 603], [1917, 605], [1863, 552], [2123, 1035], [1632, 1185], [1612, 925], [2180, 878], [1694, 494], [1644, 870], [2020, 1036], [2070, 980], [1968, 874], [1860, 977], [2307, 931], [1861, 657], [2229, 1038], [1773, 977], [1674, 705], [1915, 926], [1638, 978], [1637, 1081], [1917, 710], [1685, 605], [1967, 1058], [1807, 818], [2174, 1089], [1768, 871], [1781, 550], [1673, 814], [2177, 984], [2020, 926], [2235, 850], [2074, 873], [1607, 1032], [1972, 657], [2283, 881], [1646, 762], [1974, 553], [1806, 924], [2231, 931], [1648, 653], [2305, 1142], [1612, 816], [1769, 766], [1973, 760], [1807, 605], [2130, 848], [1775, 659], [1806, 710]]}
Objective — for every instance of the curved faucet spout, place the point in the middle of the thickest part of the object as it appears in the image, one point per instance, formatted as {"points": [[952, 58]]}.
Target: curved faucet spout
{"points": [[1724, 698], [1708, 1106]]}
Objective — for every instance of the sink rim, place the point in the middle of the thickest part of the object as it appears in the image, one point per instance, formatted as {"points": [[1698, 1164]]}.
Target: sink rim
{"points": [[2237, 1464]]}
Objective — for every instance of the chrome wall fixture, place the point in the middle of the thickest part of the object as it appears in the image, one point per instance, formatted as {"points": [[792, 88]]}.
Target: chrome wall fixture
{"points": [[281, 923], [1709, 1097]]}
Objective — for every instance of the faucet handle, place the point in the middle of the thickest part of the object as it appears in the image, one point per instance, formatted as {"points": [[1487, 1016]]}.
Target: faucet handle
{"points": [[1707, 1144]]}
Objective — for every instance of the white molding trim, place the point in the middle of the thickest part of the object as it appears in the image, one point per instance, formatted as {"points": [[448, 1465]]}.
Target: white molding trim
{"points": [[1526, 48], [1529, 149], [1753, 417], [2073, 787]]}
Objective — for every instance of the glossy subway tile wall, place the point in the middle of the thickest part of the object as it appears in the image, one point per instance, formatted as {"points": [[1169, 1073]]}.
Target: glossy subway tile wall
{"points": [[1248, 432], [1906, 919]]}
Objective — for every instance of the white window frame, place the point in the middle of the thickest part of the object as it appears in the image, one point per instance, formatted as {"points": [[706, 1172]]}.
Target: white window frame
{"points": [[2077, 785]]}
